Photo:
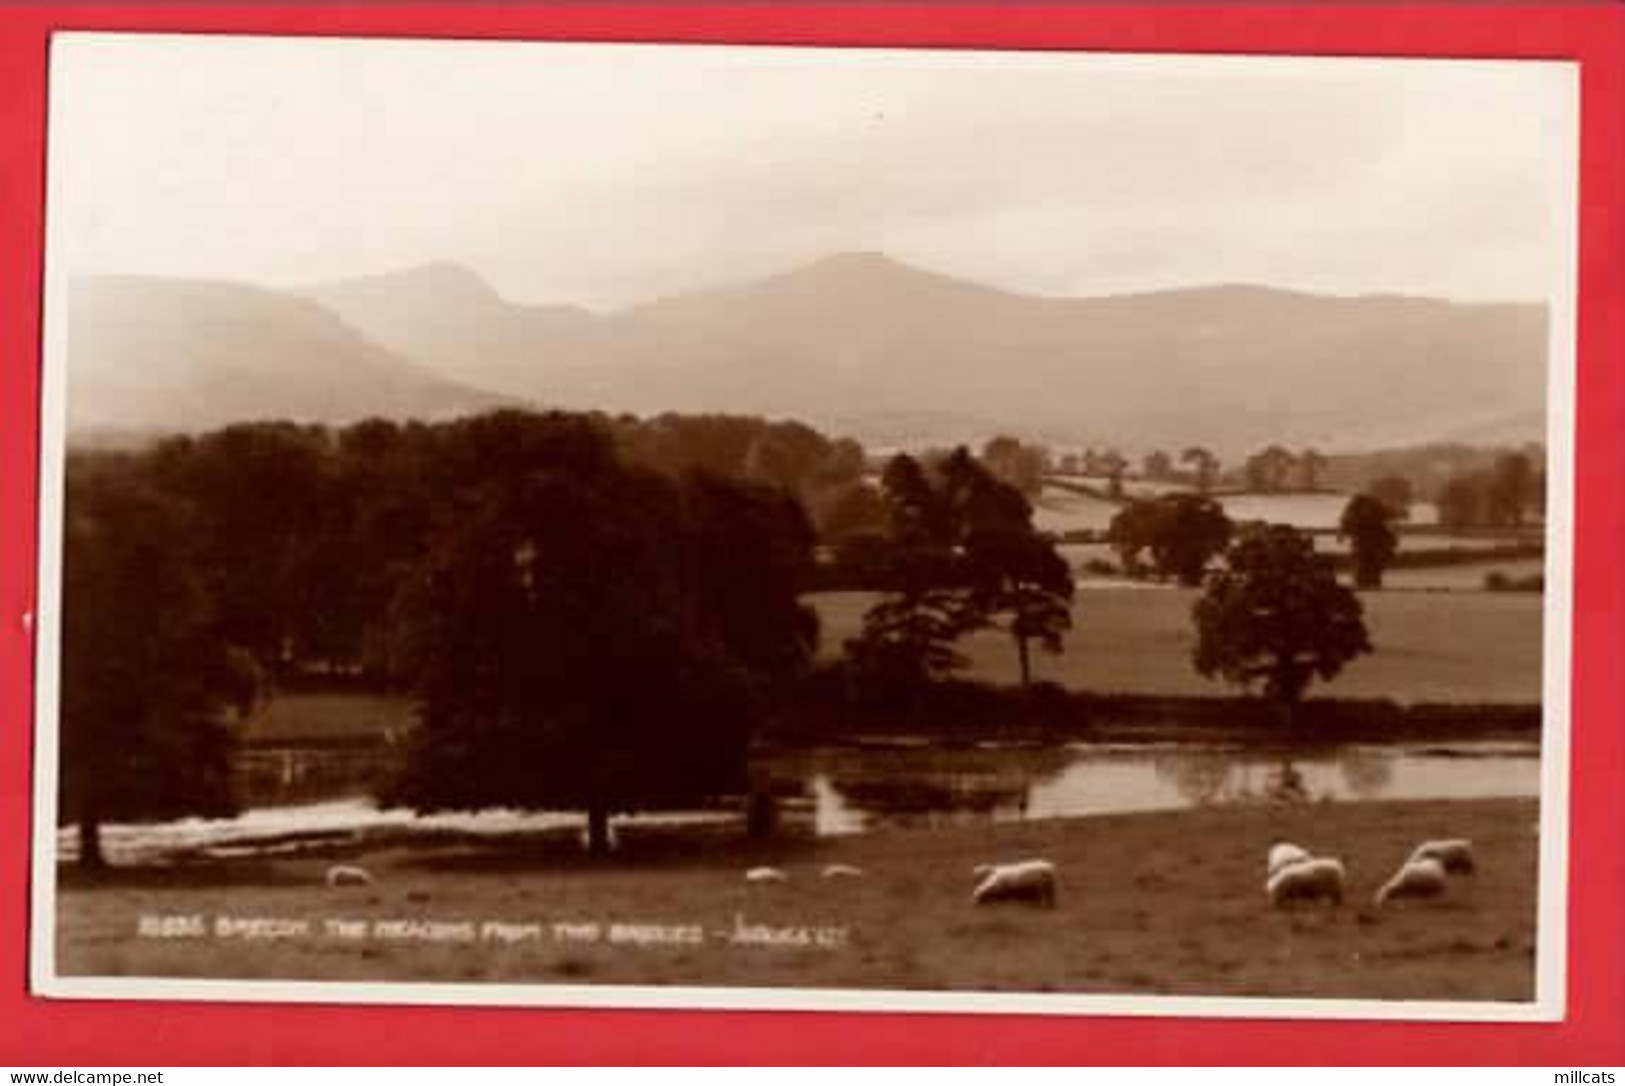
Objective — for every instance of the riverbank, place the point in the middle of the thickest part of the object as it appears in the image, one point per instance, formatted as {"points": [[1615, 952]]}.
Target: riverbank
{"points": [[1162, 903]]}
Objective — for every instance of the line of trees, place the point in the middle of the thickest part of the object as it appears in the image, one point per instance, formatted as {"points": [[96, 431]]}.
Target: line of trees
{"points": [[578, 629], [589, 613], [1501, 496], [960, 553]]}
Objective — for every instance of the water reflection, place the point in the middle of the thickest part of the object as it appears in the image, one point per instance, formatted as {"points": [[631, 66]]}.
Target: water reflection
{"points": [[850, 794], [1367, 772], [846, 790]]}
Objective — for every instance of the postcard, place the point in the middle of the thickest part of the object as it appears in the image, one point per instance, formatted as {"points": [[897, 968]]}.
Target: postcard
{"points": [[757, 527]]}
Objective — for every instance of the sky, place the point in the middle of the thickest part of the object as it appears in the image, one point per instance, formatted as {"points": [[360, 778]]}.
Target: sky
{"points": [[606, 176]]}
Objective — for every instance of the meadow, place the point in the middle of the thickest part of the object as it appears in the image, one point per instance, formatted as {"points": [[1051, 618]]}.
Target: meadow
{"points": [[1059, 509], [1162, 903], [1469, 647]]}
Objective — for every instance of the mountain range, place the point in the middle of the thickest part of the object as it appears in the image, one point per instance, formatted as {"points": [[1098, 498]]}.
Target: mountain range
{"points": [[856, 344]]}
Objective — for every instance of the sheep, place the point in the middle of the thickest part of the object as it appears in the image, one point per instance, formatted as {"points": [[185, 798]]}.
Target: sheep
{"points": [[348, 875], [766, 875], [1417, 878], [1284, 854], [1307, 880], [1455, 855], [842, 871], [1030, 880]]}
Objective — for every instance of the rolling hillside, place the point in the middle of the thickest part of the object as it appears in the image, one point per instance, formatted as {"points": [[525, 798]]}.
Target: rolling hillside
{"points": [[858, 343], [157, 354]]}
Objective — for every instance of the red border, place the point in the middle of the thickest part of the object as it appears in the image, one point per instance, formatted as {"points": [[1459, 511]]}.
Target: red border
{"points": [[51, 1034]]}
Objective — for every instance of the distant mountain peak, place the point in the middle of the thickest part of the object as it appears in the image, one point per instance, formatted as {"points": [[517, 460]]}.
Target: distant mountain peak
{"points": [[449, 276]]}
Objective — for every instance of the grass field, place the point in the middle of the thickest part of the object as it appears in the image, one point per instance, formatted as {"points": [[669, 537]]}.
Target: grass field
{"points": [[1463, 647], [1151, 903], [1058, 509]]}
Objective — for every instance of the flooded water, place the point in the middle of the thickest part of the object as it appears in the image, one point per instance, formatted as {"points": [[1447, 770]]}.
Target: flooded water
{"points": [[931, 788], [844, 790]]}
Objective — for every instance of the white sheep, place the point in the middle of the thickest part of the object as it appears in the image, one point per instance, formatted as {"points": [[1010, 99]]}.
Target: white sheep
{"points": [[766, 875], [842, 871], [1029, 880], [1416, 879], [1307, 880], [1454, 855], [1284, 854], [348, 875]]}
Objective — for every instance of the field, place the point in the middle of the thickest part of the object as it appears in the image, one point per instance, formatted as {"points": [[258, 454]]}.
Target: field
{"points": [[1445, 646], [1150, 903], [1058, 509]]}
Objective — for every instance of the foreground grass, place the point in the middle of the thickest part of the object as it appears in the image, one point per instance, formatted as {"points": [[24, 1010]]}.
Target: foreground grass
{"points": [[1150, 904], [1440, 647]]}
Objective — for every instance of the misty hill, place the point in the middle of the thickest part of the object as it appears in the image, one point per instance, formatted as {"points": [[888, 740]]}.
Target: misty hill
{"points": [[162, 354], [447, 317], [861, 344]]}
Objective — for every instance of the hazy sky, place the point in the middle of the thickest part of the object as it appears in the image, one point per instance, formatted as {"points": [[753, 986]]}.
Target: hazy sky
{"points": [[606, 175]]}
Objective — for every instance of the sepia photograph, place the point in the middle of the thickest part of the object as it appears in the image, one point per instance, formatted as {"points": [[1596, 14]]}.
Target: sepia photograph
{"points": [[635, 525]]}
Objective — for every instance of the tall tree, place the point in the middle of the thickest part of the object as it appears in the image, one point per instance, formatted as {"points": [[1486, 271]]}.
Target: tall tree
{"points": [[1461, 502], [1268, 470], [1157, 466], [1190, 532], [1310, 464], [1395, 493], [1205, 464], [567, 644], [148, 680], [1113, 465], [1366, 525], [1511, 489], [267, 517], [1013, 569], [1183, 533], [908, 637], [1132, 531], [1276, 615]]}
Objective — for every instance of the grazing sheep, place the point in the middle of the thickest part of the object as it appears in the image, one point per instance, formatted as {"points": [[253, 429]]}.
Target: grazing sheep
{"points": [[842, 871], [1307, 880], [1284, 854], [1417, 878], [766, 875], [347, 875], [1030, 880], [1455, 855]]}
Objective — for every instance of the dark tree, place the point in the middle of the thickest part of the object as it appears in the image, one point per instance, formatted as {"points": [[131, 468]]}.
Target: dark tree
{"points": [[1183, 532], [567, 648], [1310, 464], [753, 549], [1021, 466], [1461, 502], [1113, 465], [1132, 532], [1204, 463], [1268, 470], [1277, 615], [1157, 466], [1013, 569], [1189, 531], [1365, 524], [148, 680], [853, 510], [1395, 493], [908, 637], [1511, 489], [268, 520]]}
